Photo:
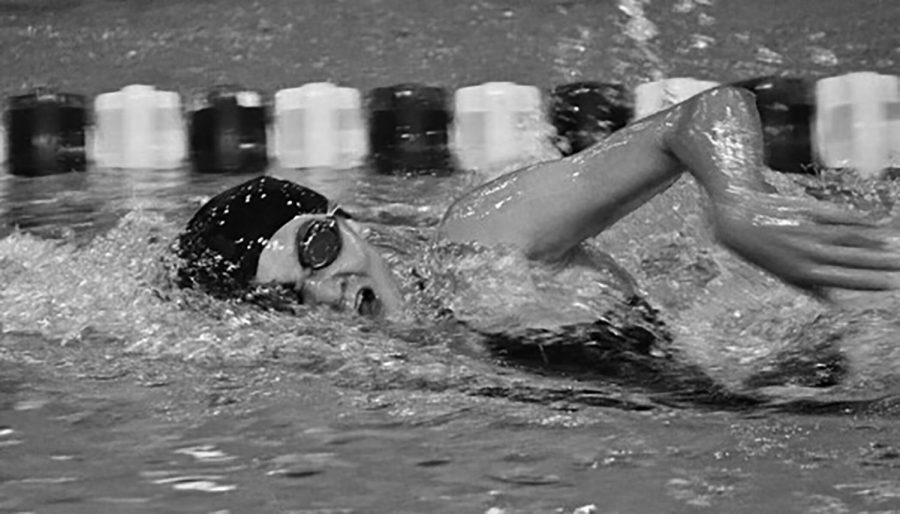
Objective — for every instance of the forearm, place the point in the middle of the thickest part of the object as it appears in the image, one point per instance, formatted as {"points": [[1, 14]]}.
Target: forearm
{"points": [[548, 208]]}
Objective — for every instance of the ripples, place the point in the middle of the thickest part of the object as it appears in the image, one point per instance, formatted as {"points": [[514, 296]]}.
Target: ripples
{"points": [[399, 450], [6, 437], [201, 483]]}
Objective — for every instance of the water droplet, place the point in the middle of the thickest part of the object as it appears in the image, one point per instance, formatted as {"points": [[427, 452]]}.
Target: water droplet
{"points": [[204, 483], [683, 6], [32, 404], [641, 29], [570, 53], [822, 56], [701, 42], [204, 486], [206, 453], [525, 476], [768, 56]]}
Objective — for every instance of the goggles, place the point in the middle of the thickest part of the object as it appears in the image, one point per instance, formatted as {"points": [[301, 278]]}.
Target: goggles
{"points": [[319, 241]]}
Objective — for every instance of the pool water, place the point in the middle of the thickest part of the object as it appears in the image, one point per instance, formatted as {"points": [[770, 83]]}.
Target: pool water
{"points": [[120, 393]]}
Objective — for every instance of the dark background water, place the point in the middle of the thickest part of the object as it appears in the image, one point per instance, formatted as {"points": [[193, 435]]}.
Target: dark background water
{"points": [[94, 46]]}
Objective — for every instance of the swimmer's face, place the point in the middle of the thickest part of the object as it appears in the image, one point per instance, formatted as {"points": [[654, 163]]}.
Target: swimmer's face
{"points": [[357, 280]]}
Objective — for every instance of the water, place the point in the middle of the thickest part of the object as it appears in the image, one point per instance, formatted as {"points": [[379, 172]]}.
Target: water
{"points": [[119, 393]]}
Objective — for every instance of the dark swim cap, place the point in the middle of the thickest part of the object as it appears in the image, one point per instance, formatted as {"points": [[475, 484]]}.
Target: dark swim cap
{"points": [[223, 241]]}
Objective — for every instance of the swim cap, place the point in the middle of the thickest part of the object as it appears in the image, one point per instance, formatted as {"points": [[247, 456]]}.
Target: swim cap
{"points": [[223, 241]]}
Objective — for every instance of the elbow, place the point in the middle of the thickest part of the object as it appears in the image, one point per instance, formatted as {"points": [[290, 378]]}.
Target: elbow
{"points": [[722, 98], [718, 104]]}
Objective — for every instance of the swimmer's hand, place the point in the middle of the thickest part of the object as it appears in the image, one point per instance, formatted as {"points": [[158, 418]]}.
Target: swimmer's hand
{"points": [[810, 245]]}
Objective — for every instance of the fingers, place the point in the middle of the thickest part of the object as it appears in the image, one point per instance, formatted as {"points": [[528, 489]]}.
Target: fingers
{"points": [[840, 236], [859, 239], [855, 257], [813, 246], [846, 278], [832, 215], [812, 262]]}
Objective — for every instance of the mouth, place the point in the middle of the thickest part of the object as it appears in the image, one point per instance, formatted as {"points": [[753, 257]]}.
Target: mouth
{"points": [[367, 303]]}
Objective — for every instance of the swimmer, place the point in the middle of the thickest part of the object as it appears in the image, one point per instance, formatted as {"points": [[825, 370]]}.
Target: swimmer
{"points": [[269, 232]]}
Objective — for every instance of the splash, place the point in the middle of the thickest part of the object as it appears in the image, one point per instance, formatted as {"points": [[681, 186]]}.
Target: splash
{"points": [[112, 294], [570, 54], [642, 31]]}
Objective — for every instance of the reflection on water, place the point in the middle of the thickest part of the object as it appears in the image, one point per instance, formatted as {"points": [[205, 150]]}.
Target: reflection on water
{"points": [[114, 446], [90, 202]]}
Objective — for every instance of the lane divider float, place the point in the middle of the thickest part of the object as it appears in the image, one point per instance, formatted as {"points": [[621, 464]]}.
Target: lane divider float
{"points": [[139, 127], [496, 123], [652, 97], [848, 121], [786, 108], [409, 130], [319, 125], [586, 112], [45, 133], [858, 122], [227, 132]]}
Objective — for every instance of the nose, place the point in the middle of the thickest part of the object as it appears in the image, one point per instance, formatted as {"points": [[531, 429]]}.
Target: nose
{"points": [[339, 291], [327, 290]]}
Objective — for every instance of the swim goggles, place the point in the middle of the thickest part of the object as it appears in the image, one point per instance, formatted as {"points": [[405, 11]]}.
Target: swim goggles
{"points": [[319, 241]]}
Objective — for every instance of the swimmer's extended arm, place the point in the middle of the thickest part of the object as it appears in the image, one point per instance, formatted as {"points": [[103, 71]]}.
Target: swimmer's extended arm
{"points": [[549, 208]]}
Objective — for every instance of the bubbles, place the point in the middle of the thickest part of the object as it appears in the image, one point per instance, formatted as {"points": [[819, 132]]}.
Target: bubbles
{"points": [[638, 27], [205, 453], [642, 31], [686, 6], [768, 56], [822, 56], [200, 483], [705, 20], [701, 42], [570, 53]]}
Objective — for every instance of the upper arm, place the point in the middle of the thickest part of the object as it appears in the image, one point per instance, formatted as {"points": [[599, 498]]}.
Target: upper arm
{"points": [[548, 208]]}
